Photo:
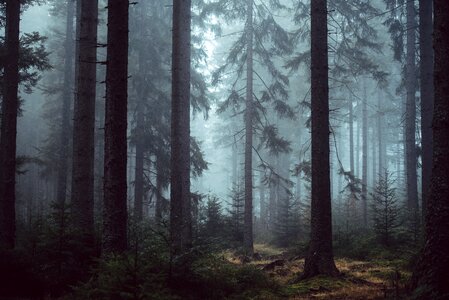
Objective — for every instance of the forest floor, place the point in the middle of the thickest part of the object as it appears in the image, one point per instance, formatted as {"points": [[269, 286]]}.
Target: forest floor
{"points": [[369, 279]]}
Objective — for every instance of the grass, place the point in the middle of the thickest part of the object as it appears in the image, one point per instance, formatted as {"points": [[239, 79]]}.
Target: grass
{"points": [[371, 279]]}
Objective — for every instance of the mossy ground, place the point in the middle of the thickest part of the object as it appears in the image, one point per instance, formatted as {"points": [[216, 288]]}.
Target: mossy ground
{"points": [[371, 279]]}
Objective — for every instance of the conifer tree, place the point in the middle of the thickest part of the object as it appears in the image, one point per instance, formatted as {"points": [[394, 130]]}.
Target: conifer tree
{"points": [[261, 41], [431, 276], [115, 152], [10, 106], [180, 202], [84, 122], [320, 258]]}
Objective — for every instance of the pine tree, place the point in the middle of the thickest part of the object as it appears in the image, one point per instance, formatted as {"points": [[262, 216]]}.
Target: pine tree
{"points": [[84, 122], [261, 42], [66, 104], [320, 259], [115, 148], [410, 112], [431, 276], [180, 202], [10, 106], [385, 210], [427, 95]]}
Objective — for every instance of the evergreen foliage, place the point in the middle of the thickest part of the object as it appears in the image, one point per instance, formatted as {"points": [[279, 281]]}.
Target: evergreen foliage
{"points": [[385, 209]]}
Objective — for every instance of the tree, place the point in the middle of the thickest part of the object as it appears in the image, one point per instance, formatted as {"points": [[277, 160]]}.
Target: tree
{"points": [[384, 208], [320, 258], [140, 115], [65, 108], [115, 148], [10, 106], [364, 156], [410, 112], [431, 277], [180, 201], [248, 172], [427, 95], [256, 49], [84, 121]]}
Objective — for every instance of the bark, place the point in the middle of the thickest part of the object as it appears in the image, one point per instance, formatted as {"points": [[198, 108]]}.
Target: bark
{"points": [[115, 144], [235, 177], [140, 109], [320, 259], [380, 136], [263, 203], [427, 95], [159, 191], [10, 105], [65, 109], [84, 122], [138, 176], [373, 158], [357, 161], [432, 273], [410, 112], [364, 157], [351, 137], [180, 202], [248, 219]]}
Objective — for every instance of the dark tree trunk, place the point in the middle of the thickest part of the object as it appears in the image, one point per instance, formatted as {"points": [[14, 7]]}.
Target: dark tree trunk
{"points": [[84, 122], [180, 202], [427, 95], [364, 157], [115, 141], [140, 109], [410, 112], [10, 105], [248, 219], [432, 273], [320, 259], [65, 109]]}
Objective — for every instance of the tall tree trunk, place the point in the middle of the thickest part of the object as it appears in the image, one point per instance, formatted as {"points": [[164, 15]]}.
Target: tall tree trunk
{"points": [[263, 203], [427, 95], [115, 144], [65, 109], [140, 109], [248, 220], [432, 273], [357, 159], [180, 202], [320, 259], [84, 122], [10, 106], [381, 140], [373, 158], [138, 176], [351, 137], [364, 156], [410, 111], [159, 191], [235, 177]]}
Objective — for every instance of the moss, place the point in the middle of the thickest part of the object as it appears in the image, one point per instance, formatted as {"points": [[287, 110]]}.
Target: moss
{"points": [[316, 284]]}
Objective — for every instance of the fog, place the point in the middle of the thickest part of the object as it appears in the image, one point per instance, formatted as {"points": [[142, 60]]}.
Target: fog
{"points": [[268, 105]]}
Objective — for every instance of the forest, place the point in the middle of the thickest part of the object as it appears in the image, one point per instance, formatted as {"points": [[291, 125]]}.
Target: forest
{"points": [[224, 149]]}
